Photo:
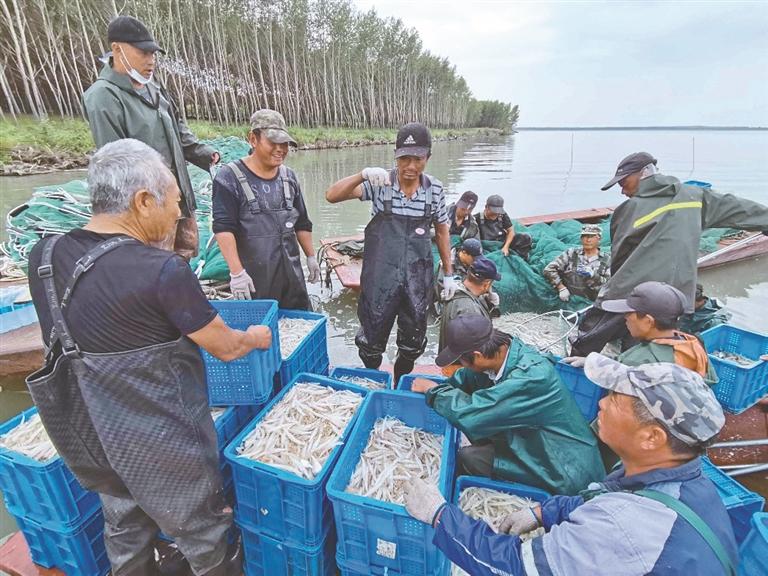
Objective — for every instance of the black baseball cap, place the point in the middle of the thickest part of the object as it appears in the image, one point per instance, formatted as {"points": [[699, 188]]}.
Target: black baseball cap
{"points": [[468, 200], [132, 31], [413, 139], [660, 300], [495, 204], [629, 165], [484, 269], [464, 334]]}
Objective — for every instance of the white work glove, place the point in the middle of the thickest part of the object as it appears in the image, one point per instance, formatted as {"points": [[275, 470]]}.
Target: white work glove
{"points": [[241, 285], [450, 285], [314, 270], [376, 176], [423, 501], [492, 298], [519, 522], [564, 294], [575, 361]]}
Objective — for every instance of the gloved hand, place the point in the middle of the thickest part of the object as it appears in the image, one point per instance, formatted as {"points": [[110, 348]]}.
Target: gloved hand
{"points": [[313, 268], [492, 298], [564, 294], [519, 522], [575, 361], [585, 271], [450, 285], [423, 501], [241, 285], [376, 176]]}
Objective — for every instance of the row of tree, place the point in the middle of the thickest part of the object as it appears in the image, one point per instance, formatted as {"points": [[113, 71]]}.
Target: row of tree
{"points": [[320, 62]]}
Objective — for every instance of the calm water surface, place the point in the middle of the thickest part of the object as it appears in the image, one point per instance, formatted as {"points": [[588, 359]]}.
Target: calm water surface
{"points": [[536, 173]]}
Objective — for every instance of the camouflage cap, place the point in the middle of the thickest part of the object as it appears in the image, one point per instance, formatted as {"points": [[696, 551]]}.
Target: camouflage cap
{"points": [[272, 125], [675, 396], [591, 230]]}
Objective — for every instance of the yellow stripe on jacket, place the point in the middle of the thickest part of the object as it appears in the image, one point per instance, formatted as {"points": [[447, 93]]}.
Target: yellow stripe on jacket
{"points": [[672, 206]]}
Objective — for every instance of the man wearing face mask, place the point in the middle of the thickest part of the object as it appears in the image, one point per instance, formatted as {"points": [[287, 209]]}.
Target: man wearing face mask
{"points": [[125, 102]]}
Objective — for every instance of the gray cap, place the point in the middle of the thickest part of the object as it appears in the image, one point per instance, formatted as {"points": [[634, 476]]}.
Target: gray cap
{"points": [[629, 165], [272, 125], [591, 230], [675, 396], [464, 334], [660, 300], [495, 204]]}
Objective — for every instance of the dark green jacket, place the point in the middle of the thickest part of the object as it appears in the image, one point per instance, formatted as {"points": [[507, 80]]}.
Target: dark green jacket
{"points": [[652, 352], [115, 110], [655, 234], [463, 303], [539, 435], [707, 316]]}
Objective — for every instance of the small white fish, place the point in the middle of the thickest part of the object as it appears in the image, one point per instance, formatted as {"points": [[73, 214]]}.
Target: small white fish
{"points": [[292, 332], [369, 383], [31, 439]]}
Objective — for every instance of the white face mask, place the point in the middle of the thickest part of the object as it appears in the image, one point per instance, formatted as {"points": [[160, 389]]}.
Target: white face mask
{"points": [[133, 73], [491, 374]]}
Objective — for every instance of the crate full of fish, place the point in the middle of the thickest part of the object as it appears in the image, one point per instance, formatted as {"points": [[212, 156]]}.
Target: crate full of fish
{"points": [[397, 438], [265, 555], [78, 551], [365, 377], [282, 459], [491, 500], [406, 380], [34, 479], [586, 393], [736, 357], [303, 343], [247, 380], [228, 421]]}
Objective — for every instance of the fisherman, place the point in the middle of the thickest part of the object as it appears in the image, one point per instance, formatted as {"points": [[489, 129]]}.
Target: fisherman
{"points": [[465, 256], [126, 101], [495, 225], [655, 235], [580, 271], [472, 298], [523, 423], [707, 314], [260, 219], [463, 224], [397, 279], [123, 392], [656, 514]]}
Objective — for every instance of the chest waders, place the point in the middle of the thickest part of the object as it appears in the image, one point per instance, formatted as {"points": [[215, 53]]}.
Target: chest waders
{"points": [[267, 244], [396, 282], [134, 426], [575, 282], [491, 229]]}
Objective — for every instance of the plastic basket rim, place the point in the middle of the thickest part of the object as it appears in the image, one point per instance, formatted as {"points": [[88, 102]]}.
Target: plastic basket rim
{"points": [[439, 378], [357, 500], [233, 458], [289, 312], [744, 495], [387, 376], [467, 481], [310, 550], [18, 457]]}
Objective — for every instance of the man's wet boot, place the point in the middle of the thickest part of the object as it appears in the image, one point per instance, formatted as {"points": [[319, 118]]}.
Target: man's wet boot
{"points": [[171, 561], [233, 562], [403, 366]]}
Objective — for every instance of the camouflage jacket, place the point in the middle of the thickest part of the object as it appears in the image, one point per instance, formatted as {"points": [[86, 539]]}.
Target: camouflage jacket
{"points": [[569, 269]]}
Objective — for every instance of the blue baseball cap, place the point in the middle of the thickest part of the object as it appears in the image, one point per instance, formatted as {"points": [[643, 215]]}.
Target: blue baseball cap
{"points": [[472, 246], [484, 269]]}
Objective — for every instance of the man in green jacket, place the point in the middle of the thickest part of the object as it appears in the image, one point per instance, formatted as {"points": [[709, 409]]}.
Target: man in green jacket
{"points": [[655, 235], [523, 423], [708, 313], [125, 102]]}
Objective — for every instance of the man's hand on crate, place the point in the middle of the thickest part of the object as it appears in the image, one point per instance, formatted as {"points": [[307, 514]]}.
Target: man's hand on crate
{"points": [[422, 385], [423, 501], [261, 335]]}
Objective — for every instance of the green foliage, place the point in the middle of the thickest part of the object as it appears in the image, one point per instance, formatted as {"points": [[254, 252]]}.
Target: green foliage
{"points": [[53, 134]]}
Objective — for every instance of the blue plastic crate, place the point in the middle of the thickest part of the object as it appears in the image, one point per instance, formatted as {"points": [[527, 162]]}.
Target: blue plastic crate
{"points": [[739, 387], [267, 556], [229, 425], [698, 183], [406, 380], [16, 315], [45, 492], [740, 503], [276, 502], [754, 550], [586, 393], [377, 537], [377, 375], [247, 380], [77, 552], [311, 355]]}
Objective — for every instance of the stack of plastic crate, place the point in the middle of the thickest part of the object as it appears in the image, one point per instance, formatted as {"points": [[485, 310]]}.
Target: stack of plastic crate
{"points": [[311, 355]]}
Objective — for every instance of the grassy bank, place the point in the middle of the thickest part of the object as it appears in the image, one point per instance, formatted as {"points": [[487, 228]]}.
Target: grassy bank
{"points": [[29, 141]]}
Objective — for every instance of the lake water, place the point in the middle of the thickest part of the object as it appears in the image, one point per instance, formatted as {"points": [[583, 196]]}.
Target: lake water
{"points": [[536, 172]]}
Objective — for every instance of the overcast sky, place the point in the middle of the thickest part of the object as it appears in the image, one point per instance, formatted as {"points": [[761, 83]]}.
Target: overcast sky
{"points": [[604, 63]]}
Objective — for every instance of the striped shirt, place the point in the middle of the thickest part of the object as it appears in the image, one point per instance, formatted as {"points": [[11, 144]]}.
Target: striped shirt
{"points": [[404, 206]]}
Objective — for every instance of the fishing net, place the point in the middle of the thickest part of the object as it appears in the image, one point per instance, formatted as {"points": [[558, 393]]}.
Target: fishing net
{"points": [[547, 332]]}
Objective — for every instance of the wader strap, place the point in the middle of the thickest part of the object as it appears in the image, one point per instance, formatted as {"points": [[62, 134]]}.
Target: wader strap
{"points": [[253, 203], [428, 200], [388, 192], [287, 191]]}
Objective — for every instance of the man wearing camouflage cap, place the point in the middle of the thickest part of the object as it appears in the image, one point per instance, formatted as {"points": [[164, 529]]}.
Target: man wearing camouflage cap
{"points": [[580, 271], [656, 514]]}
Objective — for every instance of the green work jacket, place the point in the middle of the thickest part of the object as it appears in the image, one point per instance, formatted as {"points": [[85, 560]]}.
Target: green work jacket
{"points": [[115, 110], [705, 317], [463, 303], [655, 234], [652, 352], [539, 435]]}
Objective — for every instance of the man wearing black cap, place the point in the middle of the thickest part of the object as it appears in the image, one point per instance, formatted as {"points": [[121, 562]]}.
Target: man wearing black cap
{"points": [[523, 423], [463, 224], [397, 279], [495, 225], [125, 102], [708, 313], [655, 235]]}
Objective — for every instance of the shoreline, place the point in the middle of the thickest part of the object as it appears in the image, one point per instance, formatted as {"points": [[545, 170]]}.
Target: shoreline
{"points": [[29, 147]]}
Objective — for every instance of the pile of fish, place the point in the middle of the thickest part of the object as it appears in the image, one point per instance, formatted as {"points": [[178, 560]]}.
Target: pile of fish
{"points": [[394, 456], [733, 357], [300, 432], [491, 506], [546, 332], [369, 383], [292, 332], [31, 439]]}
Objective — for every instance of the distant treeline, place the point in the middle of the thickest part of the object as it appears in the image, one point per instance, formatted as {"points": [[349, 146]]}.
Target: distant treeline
{"points": [[319, 62]]}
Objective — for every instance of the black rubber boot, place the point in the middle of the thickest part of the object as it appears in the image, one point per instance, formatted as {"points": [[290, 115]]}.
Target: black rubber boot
{"points": [[402, 366], [233, 562], [171, 561]]}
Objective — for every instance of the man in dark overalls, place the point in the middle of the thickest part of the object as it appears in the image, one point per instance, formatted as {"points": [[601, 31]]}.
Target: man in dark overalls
{"points": [[123, 392], [260, 219], [397, 278], [495, 225]]}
